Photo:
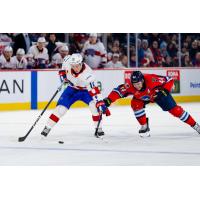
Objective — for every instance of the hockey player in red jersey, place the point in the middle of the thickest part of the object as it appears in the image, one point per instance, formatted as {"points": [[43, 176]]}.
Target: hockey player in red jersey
{"points": [[147, 88]]}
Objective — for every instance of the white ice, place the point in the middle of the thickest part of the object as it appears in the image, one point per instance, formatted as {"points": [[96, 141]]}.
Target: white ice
{"points": [[171, 143]]}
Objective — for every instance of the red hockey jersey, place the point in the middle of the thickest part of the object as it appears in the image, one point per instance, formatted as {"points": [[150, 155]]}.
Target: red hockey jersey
{"points": [[152, 84]]}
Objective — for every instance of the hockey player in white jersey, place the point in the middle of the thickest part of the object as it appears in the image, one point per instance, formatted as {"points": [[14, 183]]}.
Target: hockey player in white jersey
{"points": [[94, 52], [58, 58], [40, 53], [6, 59], [81, 86], [20, 60]]}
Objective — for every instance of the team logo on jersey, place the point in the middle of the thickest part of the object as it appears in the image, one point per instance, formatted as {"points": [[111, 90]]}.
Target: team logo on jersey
{"points": [[90, 52], [127, 85], [145, 98], [160, 79]]}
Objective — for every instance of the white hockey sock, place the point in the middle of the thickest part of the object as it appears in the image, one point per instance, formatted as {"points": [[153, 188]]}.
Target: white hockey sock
{"points": [[56, 115]]}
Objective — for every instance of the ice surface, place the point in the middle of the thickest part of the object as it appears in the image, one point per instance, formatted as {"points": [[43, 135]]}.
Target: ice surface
{"points": [[171, 143]]}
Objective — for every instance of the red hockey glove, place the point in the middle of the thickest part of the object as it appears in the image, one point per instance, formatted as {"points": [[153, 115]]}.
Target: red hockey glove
{"points": [[63, 75], [102, 108]]}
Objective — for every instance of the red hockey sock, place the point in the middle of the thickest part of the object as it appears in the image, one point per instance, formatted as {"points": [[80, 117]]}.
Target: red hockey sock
{"points": [[190, 121], [142, 120], [183, 115], [54, 118], [96, 118], [140, 116]]}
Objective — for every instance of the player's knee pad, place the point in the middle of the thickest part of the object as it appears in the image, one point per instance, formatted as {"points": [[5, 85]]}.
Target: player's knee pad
{"points": [[93, 108], [177, 111], [60, 111]]}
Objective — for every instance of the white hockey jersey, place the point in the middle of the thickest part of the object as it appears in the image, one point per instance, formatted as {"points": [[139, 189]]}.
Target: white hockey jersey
{"points": [[118, 64], [85, 79], [4, 64], [39, 54], [22, 64], [94, 54], [57, 60]]}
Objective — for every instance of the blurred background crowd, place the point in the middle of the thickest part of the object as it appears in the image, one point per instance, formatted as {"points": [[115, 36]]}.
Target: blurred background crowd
{"points": [[100, 50]]}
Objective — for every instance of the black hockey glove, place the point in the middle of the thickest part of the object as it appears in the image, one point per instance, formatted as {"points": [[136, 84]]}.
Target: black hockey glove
{"points": [[107, 102]]}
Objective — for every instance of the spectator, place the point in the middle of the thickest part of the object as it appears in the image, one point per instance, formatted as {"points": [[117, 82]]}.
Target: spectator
{"points": [[156, 52], [163, 50], [30, 61], [145, 62], [193, 51], [57, 59], [124, 61], [196, 62], [172, 49], [77, 41], [168, 62], [109, 56], [21, 40], [20, 60], [186, 62], [40, 54], [51, 45], [147, 50], [114, 63], [5, 40], [6, 59], [94, 52], [133, 60], [140, 53]]}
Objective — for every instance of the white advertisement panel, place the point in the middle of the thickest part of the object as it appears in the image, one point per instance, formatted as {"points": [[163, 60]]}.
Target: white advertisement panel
{"points": [[48, 82], [109, 79], [15, 87], [189, 81]]}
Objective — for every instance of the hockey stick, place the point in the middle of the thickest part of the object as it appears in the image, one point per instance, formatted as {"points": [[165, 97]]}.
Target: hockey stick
{"points": [[21, 139], [98, 124]]}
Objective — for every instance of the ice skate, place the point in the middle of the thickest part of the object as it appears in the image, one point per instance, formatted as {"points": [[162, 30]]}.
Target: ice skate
{"points": [[144, 130], [196, 127], [99, 133], [45, 131]]}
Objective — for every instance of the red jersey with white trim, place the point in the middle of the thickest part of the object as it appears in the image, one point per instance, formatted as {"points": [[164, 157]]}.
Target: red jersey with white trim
{"points": [[152, 84]]}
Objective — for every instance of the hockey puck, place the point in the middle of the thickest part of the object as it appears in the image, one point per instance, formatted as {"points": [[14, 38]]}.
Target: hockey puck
{"points": [[60, 142]]}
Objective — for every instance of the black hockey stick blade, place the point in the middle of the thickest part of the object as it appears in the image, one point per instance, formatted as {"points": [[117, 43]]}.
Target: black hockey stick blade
{"points": [[21, 139]]}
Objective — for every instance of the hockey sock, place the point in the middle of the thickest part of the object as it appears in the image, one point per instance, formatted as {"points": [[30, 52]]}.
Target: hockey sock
{"points": [[56, 115], [140, 116], [95, 120], [182, 115]]}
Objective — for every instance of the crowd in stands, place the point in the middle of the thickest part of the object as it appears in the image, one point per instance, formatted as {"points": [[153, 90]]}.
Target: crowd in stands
{"points": [[47, 50]]}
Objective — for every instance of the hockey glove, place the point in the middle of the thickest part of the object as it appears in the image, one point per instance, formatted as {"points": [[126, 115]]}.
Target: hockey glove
{"points": [[63, 76], [101, 107], [107, 102]]}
